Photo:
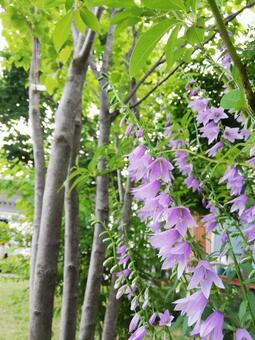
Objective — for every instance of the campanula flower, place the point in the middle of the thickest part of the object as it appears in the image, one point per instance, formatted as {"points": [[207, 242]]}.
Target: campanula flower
{"points": [[181, 218]]}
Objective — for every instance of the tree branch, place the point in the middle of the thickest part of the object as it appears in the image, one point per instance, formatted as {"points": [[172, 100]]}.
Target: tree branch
{"points": [[227, 20], [235, 57]]}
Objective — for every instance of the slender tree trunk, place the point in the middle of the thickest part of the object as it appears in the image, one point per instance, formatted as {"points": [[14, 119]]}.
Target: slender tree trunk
{"points": [[72, 237], [49, 238], [113, 305], [38, 152], [92, 294]]}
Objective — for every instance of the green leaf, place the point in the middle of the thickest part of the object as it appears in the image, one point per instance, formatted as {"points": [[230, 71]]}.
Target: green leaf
{"points": [[146, 43], [111, 3], [65, 54], [62, 31], [79, 23], [195, 35], [90, 19], [251, 299], [69, 4], [171, 46], [234, 99], [242, 310], [167, 5]]}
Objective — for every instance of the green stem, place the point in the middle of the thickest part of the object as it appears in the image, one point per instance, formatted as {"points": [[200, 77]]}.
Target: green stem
{"points": [[235, 57], [240, 277]]}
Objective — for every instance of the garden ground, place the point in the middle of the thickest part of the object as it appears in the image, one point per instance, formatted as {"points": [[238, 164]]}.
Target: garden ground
{"points": [[14, 309]]}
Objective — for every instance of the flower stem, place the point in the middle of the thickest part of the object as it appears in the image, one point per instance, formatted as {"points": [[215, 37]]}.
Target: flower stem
{"points": [[235, 57]]}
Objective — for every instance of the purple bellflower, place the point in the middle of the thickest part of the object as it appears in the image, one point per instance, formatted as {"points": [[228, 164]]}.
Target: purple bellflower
{"points": [[133, 323], [250, 233], [210, 131], [209, 221], [146, 190], [204, 275], [154, 208], [165, 319], [217, 113], [214, 149], [243, 334], [231, 134], [193, 306], [165, 239], [139, 334], [199, 104], [211, 328], [192, 183], [238, 204], [129, 130], [152, 318], [161, 168], [181, 218], [179, 255], [138, 166]]}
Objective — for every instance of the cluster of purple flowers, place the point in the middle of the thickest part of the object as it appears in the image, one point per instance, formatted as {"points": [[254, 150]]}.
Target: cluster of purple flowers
{"points": [[210, 117]]}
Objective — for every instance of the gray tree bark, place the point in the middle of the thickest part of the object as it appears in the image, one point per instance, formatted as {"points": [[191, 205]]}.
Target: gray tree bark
{"points": [[71, 247], [92, 292], [113, 305], [49, 238], [38, 152]]}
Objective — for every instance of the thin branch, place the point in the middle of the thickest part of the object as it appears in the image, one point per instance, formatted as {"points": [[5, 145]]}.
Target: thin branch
{"points": [[94, 68], [86, 47], [227, 20], [235, 57]]}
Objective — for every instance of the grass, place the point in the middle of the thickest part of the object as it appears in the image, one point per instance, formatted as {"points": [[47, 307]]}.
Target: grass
{"points": [[14, 312]]}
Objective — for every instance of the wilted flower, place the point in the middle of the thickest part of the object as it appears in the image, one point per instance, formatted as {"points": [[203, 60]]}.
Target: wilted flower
{"points": [[243, 334], [181, 218], [231, 134], [204, 276], [193, 306], [165, 319]]}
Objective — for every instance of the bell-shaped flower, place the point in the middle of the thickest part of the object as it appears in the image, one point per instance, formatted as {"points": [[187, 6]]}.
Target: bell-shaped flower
{"points": [[211, 328], [204, 276], [165, 319], [139, 334], [179, 255], [243, 334], [161, 168], [193, 306], [181, 218], [238, 204], [146, 190], [210, 131], [165, 239]]}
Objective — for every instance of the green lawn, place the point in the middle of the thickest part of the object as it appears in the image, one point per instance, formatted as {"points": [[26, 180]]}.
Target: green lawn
{"points": [[14, 310]]}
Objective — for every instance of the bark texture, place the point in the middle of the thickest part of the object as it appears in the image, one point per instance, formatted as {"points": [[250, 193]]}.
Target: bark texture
{"points": [[49, 238], [38, 153], [92, 293], [113, 305], [72, 237]]}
